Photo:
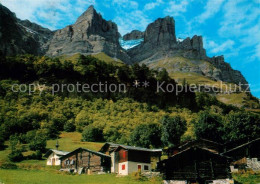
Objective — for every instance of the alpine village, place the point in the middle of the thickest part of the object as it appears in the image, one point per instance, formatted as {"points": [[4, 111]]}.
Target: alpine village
{"points": [[138, 136]]}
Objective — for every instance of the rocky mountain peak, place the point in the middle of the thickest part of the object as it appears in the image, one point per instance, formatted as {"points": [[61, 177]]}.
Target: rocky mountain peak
{"points": [[90, 34], [88, 15], [161, 32], [133, 35]]}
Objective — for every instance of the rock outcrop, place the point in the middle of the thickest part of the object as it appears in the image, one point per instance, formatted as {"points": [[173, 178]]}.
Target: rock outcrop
{"points": [[159, 37], [89, 35], [134, 35], [227, 73], [17, 38]]}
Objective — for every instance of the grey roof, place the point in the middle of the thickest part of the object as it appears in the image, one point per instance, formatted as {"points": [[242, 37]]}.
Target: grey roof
{"points": [[84, 149], [250, 142], [57, 152], [114, 146], [139, 148]]}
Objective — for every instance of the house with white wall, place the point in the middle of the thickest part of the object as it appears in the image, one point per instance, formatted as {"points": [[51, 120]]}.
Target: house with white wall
{"points": [[128, 159], [53, 157]]}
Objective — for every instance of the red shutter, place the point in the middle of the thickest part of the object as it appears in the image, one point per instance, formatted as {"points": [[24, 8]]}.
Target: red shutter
{"points": [[123, 167], [124, 154]]}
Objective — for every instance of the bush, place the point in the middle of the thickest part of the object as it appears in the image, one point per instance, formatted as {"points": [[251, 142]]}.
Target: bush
{"points": [[92, 134], [146, 136], [138, 176], [172, 130], [208, 126], [36, 156], [2, 141], [8, 165], [69, 126], [16, 156], [38, 143]]}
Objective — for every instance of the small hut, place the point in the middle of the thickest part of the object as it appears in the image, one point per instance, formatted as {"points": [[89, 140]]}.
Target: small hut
{"points": [[195, 164], [83, 160]]}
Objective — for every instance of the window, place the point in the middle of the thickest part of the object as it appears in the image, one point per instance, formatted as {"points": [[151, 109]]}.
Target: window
{"points": [[146, 167], [124, 154], [123, 167]]}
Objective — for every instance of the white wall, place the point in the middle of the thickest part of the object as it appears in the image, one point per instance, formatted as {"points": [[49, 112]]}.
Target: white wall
{"points": [[114, 164], [57, 159], [131, 167]]}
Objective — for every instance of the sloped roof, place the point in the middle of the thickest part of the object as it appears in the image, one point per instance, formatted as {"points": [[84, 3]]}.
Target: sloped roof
{"points": [[57, 152], [138, 148], [84, 149], [177, 155], [243, 145]]}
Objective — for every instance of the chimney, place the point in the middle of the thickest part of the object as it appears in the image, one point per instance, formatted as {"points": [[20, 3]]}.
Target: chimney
{"points": [[57, 145]]}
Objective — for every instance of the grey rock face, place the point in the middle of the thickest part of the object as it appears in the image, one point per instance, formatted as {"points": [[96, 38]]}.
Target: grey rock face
{"points": [[159, 37], [90, 34], [226, 73], [161, 33], [16, 38], [40, 34], [134, 35]]}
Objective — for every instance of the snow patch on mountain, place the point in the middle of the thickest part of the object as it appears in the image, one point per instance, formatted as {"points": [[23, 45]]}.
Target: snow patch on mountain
{"points": [[128, 44]]}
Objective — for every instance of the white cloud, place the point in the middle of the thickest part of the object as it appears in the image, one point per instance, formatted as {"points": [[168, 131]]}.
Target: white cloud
{"points": [[176, 7], [150, 6], [126, 4], [241, 21], [131, 20], [219, 48], [211, 8]]}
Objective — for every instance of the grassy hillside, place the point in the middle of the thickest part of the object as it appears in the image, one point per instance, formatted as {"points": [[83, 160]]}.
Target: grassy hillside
{"points": [[101, 56], [174, 65], [70, 141]]}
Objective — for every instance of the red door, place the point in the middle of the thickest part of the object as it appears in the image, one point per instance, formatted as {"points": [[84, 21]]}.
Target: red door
{"points": [[139, 168]]}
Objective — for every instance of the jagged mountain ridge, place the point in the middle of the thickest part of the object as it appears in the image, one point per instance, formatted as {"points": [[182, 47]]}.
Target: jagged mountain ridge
{"points": [[21, 37], [91, 34]]}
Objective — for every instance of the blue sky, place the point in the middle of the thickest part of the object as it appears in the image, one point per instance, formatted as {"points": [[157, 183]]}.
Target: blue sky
{"points": [[229, 27]]}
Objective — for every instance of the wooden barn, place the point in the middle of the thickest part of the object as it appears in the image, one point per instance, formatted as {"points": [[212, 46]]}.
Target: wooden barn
{"points": [[53, 156], [84, 160], [128, 159], [195, 164], [201, 143], [246, 156]]}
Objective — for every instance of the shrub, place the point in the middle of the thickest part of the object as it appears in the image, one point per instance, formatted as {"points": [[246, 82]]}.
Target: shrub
{"points": [[92, 134], [69, 126], [8, 165], [172, 130], [146, 136], [16, 156], [38, 143], [36, 156]]}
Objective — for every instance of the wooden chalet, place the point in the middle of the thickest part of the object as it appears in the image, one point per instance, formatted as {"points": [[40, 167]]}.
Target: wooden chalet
{"points": [[84, 160], [128, 159], [245, 156], [201, 143], [195, 165]]}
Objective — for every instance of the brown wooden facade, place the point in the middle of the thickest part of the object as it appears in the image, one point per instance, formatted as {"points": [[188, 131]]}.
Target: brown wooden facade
{"points": [[250, 149], [195, 164], [201, 143], [125, 155], [86, 160]]}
